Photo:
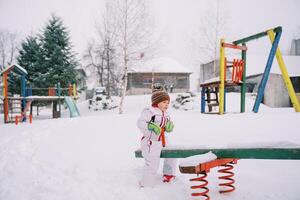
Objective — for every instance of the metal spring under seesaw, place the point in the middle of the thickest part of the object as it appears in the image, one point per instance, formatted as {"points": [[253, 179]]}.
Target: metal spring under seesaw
{"points": [[228, 174], [203, 183]]}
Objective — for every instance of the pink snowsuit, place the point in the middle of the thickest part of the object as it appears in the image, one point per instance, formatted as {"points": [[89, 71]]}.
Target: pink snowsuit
{"points": [[151, 146]]}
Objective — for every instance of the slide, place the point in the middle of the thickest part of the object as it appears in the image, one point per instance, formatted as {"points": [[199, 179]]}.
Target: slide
{"points": [[72, 107]]}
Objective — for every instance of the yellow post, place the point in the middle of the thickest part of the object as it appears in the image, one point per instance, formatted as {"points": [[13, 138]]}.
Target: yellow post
{"points": [[222, 81], [285, 74], [74, 90]]}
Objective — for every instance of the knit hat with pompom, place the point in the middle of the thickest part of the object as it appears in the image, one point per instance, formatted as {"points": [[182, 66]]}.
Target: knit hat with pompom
{"points": [[159, 96]]}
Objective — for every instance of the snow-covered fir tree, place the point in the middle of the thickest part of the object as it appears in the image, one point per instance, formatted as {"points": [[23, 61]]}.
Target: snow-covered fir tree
{"points": [[59, 61], [30, 57]]}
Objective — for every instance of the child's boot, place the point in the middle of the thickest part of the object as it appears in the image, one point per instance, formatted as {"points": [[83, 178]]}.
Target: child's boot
{"points": [[168, 178]]}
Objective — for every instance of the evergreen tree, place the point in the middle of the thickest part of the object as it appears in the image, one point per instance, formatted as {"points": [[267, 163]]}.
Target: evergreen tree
{"points": [[49, 58], [30, 58], [59, 61]]}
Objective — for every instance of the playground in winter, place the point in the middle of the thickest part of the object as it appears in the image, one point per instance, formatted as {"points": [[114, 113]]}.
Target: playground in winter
{"points": [[88, 158], [95, 96], [96, 154]]}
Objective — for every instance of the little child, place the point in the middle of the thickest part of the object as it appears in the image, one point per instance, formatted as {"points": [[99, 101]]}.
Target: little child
{"points": [[153, 122]]}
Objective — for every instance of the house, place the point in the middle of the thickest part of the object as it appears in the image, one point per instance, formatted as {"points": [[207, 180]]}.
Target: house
{"points": [[164, 71], [276, 94], [295, 47]]}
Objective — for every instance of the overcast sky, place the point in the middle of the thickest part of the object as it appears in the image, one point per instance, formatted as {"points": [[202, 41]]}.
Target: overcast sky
{"points": [[176, 20]]}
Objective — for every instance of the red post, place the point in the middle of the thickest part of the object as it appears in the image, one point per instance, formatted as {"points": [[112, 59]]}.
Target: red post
{"points": [[16, 120], [30, 119], [163, 138], [237, 70], [241, 70], [51, 91], [233, 70], [232, 46], [70, 90]]}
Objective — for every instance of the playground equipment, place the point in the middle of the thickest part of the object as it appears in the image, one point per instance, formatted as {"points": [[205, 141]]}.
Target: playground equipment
{"points": [[74, 112], [56, 95], [16, 107], [203, 168], [238, 153], [19, 111], [239, 74], [225, 159]]}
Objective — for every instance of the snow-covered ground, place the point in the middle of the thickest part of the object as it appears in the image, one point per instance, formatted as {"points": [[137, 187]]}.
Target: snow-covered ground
{"points": [[92, 156]]}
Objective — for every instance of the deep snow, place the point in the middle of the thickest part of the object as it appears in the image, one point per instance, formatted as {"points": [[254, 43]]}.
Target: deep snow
{"points": [[92, 156]]}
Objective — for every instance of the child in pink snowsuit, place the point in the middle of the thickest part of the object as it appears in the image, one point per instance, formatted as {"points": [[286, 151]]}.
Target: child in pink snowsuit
{"points": [[151, 122]]}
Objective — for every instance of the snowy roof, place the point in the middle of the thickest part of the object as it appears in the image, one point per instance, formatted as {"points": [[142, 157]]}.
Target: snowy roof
{"points": [[13, 66], [256, 64], [160, 65], [81, 71]]}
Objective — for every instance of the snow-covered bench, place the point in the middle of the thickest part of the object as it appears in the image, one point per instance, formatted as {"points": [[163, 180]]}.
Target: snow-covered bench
{"points": [[239, 153]]}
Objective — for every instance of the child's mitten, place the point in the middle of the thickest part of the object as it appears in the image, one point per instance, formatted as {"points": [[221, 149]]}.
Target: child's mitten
{"points": [[154, 127], [169, 126]]}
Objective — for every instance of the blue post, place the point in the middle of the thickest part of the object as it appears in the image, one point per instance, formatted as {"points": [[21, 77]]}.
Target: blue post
{"points": [[29, 91], [203, 100], [265, 77], [23, 93], [58, 89]]}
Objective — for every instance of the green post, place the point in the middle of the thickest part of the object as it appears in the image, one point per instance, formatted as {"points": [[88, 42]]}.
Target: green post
{"points": [[58, 94], [256, 36], [243, 87]]}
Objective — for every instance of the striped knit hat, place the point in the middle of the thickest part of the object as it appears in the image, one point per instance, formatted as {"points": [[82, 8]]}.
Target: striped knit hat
{"points": [[159, 96]]}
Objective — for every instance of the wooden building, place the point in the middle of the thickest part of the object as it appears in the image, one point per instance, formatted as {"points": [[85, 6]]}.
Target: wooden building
{"points": [[164, 71]]}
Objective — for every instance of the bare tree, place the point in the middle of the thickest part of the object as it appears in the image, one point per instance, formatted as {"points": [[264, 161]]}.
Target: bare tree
{"points": [[206, 40], [107, 32], [100, 54], [124, 38], [8, 47], [94, 60], [134, 36]]}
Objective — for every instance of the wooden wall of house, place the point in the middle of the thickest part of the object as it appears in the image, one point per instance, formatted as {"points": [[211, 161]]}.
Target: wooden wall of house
{"points": [[276, 94], [140, 83], [296, 83], [211, 70]]}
